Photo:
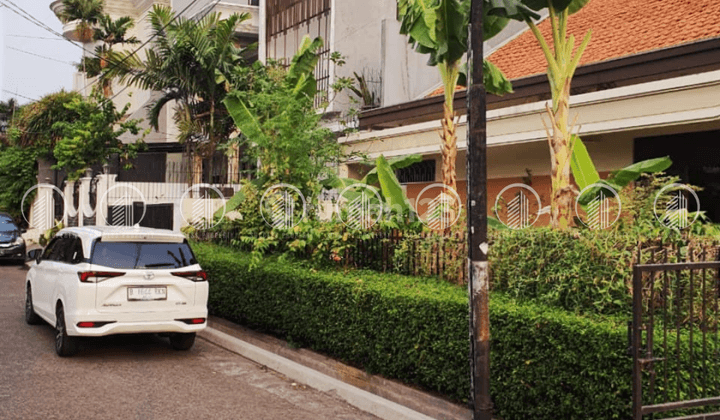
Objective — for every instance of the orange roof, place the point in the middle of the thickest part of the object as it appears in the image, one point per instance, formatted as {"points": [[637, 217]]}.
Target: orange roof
{"points": [[620, 28], [441, 90]]}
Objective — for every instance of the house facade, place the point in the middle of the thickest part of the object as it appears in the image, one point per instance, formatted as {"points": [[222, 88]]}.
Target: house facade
{"points": [[165, 160], [648, 86]]}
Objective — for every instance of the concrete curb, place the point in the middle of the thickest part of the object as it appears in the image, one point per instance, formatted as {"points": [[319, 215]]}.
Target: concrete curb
{"points": [[354, 396]]}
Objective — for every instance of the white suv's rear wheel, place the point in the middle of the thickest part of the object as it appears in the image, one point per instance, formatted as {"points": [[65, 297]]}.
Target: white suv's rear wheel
{"points": [[182, 341], [65, 345]]}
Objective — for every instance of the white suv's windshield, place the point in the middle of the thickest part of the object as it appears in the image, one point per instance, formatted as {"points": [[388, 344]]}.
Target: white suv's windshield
{"points": [[140, 255]]}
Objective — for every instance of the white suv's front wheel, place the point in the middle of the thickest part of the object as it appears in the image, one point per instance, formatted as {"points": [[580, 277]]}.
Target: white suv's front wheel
{"points": [[65, 345], [31, 318]]}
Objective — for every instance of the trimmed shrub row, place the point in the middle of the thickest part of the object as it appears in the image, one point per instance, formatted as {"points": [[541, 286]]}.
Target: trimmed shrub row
{"points": [[546, 363]]}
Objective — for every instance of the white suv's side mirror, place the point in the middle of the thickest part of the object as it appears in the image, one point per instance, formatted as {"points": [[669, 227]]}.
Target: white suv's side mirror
{"points": [[35, 254]]}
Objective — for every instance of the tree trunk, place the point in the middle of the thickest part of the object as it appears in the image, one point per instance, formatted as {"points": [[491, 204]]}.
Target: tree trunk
{"points": [[562, 198], [448, 148]]}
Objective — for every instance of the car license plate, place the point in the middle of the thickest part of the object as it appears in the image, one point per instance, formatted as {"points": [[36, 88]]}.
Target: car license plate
{"points": [[147, 293]]}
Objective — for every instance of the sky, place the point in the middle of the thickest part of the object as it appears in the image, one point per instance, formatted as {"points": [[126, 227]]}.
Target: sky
{"points": [[23, 75]]}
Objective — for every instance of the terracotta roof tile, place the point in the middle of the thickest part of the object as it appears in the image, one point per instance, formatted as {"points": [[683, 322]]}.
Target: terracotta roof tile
{"points": [[620, 28]]}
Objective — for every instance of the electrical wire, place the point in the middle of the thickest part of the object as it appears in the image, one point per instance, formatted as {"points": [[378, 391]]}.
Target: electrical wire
{"points": [[41, 56], [27, 16], [17, 94], [35, 37]]}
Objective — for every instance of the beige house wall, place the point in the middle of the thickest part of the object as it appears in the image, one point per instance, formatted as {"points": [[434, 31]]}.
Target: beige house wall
{"points": [[608, 121]]}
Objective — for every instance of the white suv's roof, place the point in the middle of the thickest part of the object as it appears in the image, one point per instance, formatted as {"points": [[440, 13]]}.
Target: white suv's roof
{"points": [[122, 234]]}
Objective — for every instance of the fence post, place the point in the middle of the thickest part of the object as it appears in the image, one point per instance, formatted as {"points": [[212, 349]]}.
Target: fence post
{"points": [[636, 344]]}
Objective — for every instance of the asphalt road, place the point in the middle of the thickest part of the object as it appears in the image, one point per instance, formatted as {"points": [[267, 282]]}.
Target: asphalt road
{"points": [[139, 377]]}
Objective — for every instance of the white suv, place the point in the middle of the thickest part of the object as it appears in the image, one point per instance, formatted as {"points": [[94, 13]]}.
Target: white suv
{"points": [[95, 281]]}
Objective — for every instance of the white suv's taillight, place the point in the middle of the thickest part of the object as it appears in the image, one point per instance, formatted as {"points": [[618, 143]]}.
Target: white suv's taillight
{"points": [[191, 275], [98, 276]]}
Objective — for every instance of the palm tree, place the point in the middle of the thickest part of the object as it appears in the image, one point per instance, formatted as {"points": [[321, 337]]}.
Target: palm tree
{"points": [[88, 12], [110, 32], [191, 63], [440, 28]]}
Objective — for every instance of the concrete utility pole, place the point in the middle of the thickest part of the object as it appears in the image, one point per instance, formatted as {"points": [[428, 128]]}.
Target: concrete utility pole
{"points": [[479, 275]]}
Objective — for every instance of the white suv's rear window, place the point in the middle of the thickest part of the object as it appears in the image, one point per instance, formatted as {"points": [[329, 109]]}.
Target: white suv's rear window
{"points": [[141, 255]]}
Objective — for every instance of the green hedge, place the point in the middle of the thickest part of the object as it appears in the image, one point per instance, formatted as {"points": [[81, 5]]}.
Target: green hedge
{"points": [[580, 271], [546, 364]]}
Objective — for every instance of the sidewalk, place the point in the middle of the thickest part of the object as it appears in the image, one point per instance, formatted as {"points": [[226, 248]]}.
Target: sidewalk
{"points": [[384, 398]]}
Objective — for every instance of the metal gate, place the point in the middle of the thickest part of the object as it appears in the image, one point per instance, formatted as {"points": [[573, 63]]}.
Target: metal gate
{"points": [[674, 337], [159, 216]]}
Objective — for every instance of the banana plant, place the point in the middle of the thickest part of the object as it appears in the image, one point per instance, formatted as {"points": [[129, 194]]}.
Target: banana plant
{"points": [[300, 78], [585, 174], [383, 174], [439, 28], [562, 60]]}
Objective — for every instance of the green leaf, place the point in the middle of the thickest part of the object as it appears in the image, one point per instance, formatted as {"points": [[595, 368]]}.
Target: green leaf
{"points": [[339, 183], [390, 186], [593, 192], [576, 5], [231, 204], [513, 9], [300, 76], [245, 120], [395, 163], [630, 173], [582, 166], [495, 81], [493, 24], [496, 224]]}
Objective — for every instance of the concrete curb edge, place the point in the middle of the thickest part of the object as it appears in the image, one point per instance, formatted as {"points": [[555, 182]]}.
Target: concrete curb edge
{"points": [[354, 396]]}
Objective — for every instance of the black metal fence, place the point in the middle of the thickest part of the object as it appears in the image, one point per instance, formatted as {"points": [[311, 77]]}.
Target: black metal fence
{"points": [[425, 254], [675, 342]]}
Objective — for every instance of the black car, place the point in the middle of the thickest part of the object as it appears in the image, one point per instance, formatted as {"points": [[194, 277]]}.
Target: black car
{"points": [[12, 245]]}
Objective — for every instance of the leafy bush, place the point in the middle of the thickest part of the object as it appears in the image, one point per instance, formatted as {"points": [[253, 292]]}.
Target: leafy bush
{"points": [[578, 271], [546, 364], [18, 173]]}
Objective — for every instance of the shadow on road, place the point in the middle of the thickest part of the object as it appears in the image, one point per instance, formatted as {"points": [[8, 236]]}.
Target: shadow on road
{"points": [[145, 347]]}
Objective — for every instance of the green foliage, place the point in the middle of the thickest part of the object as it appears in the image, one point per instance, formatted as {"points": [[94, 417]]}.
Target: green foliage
{"points": [[18, 173], [362, 91], [281, 128], [585, 174], [34, 125], [382, 174], [300, 78], [547, 364], [47, 236], [439, 28], [564, 269], [193, 63], [93, 136], [589, 271], [390, 186]]}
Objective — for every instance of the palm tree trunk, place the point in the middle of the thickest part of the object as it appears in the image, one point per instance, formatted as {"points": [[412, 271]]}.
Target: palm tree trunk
{"points": [[449, 148]]}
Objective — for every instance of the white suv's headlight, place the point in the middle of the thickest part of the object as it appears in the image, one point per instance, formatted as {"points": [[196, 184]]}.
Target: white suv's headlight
{"points": [[19, 241]]}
